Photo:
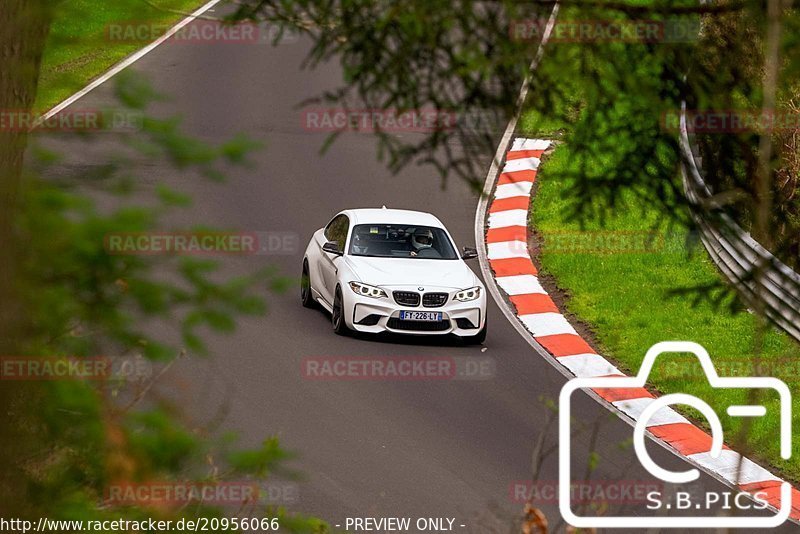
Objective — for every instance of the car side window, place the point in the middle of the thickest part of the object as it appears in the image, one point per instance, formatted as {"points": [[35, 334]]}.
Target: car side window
{"points": [[337, 230], [330, 229]]}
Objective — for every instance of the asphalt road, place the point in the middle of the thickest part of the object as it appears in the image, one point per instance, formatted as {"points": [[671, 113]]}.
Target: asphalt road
{"points": [[430, 448]]}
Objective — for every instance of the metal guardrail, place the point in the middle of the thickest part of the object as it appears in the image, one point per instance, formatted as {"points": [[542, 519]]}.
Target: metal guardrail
{"points": [[736, 253]]}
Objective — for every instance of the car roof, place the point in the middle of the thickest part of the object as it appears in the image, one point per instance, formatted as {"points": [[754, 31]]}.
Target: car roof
{"points": [[392, 216]]}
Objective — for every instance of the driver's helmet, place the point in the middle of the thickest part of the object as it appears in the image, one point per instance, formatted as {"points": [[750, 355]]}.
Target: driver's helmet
{"points": [[422, 238]]}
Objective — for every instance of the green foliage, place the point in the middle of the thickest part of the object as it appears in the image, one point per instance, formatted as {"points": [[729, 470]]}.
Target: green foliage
{"points": [[630, 301], [259, 462], [83, 300], [158, 444], [615, 94]]}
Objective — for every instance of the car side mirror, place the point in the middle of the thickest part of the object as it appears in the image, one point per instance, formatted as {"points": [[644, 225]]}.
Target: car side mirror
{"points": [[469, 253], [332, 247]]}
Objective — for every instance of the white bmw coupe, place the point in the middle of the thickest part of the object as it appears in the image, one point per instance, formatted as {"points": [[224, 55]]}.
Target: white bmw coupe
{"points": [[388, 270]]}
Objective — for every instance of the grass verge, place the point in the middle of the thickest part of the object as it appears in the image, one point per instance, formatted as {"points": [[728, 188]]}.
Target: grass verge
{"points": [[619, 278], [79, 46]]}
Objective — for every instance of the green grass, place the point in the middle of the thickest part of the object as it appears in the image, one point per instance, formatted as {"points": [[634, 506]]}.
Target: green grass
{"points": [[628, 302], [546, 127], [78, 48]]}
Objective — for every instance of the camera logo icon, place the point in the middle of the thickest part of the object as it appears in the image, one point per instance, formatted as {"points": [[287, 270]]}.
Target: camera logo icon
{"points": [[677, 477]]}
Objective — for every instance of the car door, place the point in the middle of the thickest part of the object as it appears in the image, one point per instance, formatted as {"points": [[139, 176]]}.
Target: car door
{"points": [[336, 231]]}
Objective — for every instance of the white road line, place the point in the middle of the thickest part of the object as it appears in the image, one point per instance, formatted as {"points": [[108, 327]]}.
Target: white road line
{"points": [[521, 143], [507, 249], [520, 284], [127, 62], [547, 324], [503, 219], [634, 408], [521, 164], [517, 189], [727, 466], [588, 365]]}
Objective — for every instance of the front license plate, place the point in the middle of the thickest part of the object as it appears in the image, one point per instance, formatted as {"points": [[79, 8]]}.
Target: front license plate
{"points": [[420, 316]]}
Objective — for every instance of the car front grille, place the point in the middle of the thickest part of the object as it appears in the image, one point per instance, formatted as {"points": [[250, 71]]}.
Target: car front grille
{"points": [[434, 300], [420, 326], [406, 298]]}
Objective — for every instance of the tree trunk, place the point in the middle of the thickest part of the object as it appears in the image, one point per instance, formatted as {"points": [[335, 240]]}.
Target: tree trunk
{"points": [[24, 25]]}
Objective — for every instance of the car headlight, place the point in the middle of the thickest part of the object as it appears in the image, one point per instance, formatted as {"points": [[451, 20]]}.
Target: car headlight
{"points": [[465, 295], [367, 291]]}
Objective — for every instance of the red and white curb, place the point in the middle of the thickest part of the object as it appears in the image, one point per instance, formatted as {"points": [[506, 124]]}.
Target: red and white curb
{"points": [[511, 266]]}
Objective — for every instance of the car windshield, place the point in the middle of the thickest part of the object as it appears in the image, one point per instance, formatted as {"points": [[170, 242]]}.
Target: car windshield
{"points": [[401, 241]]}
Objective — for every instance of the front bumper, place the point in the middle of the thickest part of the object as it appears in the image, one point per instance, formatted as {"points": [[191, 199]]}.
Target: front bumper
{"points": [[376, 315]]}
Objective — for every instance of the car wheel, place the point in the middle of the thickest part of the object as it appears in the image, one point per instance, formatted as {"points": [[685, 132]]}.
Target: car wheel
{"points": [[337, 317], [306, 296], [478, 338]]}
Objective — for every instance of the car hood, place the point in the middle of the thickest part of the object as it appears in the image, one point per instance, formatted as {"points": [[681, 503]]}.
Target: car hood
{"points": [[412, 271]]}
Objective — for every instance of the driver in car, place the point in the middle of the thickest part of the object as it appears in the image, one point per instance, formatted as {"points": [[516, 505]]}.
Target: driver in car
{"points": [[422, 240]]}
